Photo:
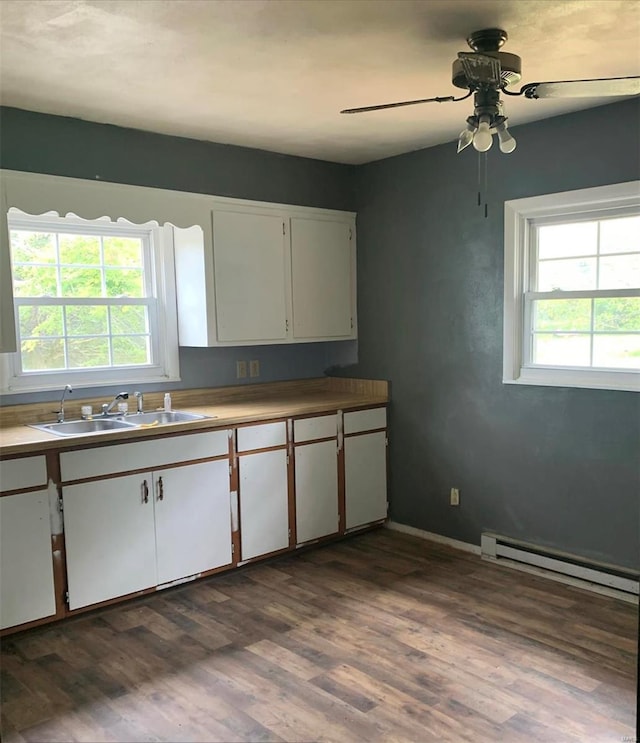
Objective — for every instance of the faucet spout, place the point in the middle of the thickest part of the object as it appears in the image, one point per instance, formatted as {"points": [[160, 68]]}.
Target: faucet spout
{"points": [[67, 388], [108, 407]]}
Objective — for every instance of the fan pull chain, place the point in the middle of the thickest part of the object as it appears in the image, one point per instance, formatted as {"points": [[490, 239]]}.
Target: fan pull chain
{"points": [[483, 181], [486, 184]]}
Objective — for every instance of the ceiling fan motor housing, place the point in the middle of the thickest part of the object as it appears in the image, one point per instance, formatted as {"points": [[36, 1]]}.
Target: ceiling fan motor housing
{"points": [[510, 70]]}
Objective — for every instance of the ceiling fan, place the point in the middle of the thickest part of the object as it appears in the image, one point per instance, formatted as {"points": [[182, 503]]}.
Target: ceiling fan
{"points": [[486, 72]]}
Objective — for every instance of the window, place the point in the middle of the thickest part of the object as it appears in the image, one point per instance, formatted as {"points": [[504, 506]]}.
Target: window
{"points": [[93, 301], [572, 289]]}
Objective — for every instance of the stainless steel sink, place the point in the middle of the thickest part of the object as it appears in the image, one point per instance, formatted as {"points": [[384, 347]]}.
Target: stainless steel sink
{"points": [[159, 417], [83, 427]]}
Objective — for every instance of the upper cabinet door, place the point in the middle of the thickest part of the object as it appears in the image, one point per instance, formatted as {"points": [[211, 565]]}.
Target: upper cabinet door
{"points": [[250, 256], [322, 278]]}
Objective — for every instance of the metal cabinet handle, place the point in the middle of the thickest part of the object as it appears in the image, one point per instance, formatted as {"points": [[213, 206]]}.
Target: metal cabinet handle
{"points": [[160, 489], [145, 492]]}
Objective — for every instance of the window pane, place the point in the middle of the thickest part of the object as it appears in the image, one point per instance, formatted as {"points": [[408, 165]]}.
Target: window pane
{"points": [[81, 282], [619, 272], [561, 350], [32, 247], [39, 321], [564, 240], [123, 251], [617, 313], [131, 351], [620, 235], [82, 249], [88, 352], [617, 351], [40, 355], [562, 314], [128, 320], [87, 320], [35, 281], [124, 282], [579, 273]]}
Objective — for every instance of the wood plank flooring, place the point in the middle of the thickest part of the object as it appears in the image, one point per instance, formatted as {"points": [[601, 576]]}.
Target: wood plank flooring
{"points": [[382, 637]]}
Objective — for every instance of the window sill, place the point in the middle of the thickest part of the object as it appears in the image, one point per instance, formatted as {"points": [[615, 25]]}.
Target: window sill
{"points": [[580, 378]]}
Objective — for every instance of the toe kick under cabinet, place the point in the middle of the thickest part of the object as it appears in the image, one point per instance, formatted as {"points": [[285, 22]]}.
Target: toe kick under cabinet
{"points": [[140, 515]]}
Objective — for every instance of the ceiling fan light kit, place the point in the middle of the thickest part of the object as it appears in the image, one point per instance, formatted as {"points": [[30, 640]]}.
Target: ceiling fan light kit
{"points": [[486, 72]]}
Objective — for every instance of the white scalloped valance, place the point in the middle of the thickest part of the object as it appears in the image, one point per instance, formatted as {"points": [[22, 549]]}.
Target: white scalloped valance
{"points": [[35, 193]]}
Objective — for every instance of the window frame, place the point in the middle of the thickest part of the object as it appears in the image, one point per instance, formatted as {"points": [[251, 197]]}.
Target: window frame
{"points": [[159, 278], [521, 216]]}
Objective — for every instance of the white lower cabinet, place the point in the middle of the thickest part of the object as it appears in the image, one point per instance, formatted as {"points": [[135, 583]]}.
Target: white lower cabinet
{"points": [[109, 538], [316, 481], [264, 503], [365, 482], [193, 519], [26, 563], [125, 534]]}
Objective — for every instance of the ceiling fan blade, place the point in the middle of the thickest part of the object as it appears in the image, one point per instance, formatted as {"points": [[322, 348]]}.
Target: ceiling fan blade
{"points": [[611, 86], [398, 105], [480, 69]]}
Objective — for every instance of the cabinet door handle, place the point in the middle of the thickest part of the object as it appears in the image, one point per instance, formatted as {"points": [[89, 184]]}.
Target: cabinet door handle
{"points": [[145, 492], [160, 489]]}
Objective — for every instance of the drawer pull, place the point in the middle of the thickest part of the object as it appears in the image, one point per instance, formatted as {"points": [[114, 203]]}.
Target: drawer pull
{"points": [[145, 492], [160, 489]]}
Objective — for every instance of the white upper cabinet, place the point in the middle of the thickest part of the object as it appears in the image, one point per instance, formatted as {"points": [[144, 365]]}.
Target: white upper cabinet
{"points": [[250, 261], [322, 279], [271, 273]]}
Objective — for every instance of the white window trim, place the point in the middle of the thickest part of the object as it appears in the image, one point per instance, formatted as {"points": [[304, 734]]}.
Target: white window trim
{"points": [[163, 318], [519, 214]]}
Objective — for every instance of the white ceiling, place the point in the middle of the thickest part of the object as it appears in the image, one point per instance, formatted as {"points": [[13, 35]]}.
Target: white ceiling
{"points": [[274, 74]]}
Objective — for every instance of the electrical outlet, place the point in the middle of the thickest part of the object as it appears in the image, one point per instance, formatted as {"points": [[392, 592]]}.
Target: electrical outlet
{"points": [[455, 497], [241, 369], [254, 368]]}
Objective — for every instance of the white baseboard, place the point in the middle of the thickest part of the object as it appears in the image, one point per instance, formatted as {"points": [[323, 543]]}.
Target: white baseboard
{"points": [[432, 537]]}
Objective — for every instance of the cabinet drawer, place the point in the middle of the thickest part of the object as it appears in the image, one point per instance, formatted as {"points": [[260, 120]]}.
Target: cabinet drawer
{"points": [[365, 420], [262, 437], [76, 465], [29, 472], [308, 429]]}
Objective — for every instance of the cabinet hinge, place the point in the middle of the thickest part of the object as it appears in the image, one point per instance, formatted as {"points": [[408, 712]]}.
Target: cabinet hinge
{"points": [[286, 325], [386, 441], [230, 470], [60, 505], [66, 597], [351, 323], [283, 229], [287, 460], [350, 233], [233, 548], [289, 533]]}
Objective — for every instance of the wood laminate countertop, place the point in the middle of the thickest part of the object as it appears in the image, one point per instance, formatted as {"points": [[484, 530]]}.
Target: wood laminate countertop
{"points": [[228, 406]]}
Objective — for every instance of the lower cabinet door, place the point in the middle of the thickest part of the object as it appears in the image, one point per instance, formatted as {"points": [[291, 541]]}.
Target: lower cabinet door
{"points": [[193, 519], [365, 481], [26, 561], [316, 490], [110, 538], [264, 503]]}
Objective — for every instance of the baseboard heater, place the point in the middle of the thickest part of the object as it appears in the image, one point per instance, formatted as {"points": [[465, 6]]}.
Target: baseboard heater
{"points": [[559, 565]]}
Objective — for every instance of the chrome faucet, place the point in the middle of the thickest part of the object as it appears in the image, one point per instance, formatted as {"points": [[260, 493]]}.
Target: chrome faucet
{"points": [[67, 388], [139, 402], [108, 407]]}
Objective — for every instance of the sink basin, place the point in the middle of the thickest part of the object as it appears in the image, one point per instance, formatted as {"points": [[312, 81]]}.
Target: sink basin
{"points": [[159, 417], [78, 428]]}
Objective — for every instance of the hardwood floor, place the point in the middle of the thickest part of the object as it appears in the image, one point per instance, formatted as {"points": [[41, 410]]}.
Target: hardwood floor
{"points": [[382, 637]]}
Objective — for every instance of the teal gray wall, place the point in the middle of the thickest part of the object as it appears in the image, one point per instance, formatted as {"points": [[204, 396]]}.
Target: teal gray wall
{"points": [[554, 466], [59, 145]]}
